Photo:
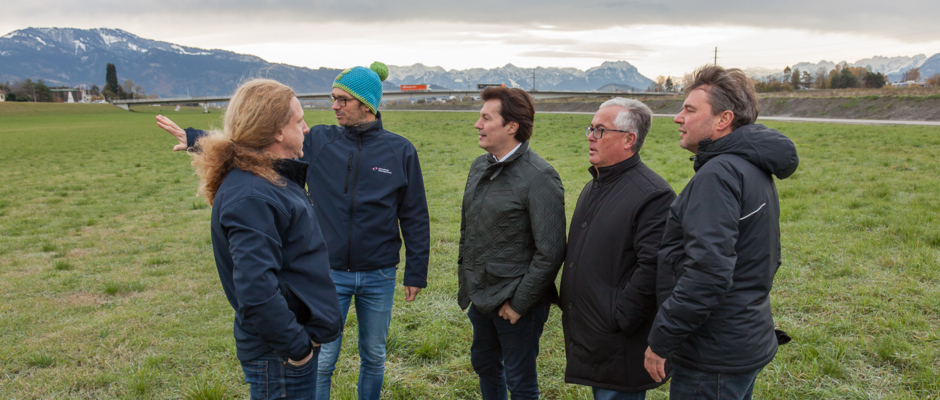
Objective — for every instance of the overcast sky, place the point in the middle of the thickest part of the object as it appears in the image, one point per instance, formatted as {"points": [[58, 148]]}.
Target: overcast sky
{"points": [[659, 38]]}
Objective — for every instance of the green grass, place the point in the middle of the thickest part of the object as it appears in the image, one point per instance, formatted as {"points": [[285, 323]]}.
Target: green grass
{"points": [[108, 287]]}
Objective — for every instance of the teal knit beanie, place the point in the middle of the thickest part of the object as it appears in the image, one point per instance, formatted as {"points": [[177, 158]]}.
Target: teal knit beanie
{"points": [[365, 84]]}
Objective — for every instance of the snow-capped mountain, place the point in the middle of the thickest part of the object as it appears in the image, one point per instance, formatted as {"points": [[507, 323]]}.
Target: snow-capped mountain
{"points": [[930, 67], [70, 57], [619, 72]]}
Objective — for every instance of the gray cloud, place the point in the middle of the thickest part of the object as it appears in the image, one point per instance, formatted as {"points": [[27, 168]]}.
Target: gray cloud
{"points": [[908, 20]]}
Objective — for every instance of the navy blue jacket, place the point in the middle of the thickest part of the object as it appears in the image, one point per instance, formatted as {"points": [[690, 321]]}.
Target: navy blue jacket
{"points": [[365, 184], [273, 264]]}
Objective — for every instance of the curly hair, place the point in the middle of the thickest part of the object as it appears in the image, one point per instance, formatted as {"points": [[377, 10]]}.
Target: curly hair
{"points": [[257, 111]]}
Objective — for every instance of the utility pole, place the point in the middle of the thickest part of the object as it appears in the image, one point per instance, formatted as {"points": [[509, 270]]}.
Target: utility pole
{"points": [[533, 78], [716, 55]]}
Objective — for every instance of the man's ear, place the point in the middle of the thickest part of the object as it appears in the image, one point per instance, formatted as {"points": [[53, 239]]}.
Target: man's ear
{"points": [[513, 127], [725, 119], [279, 136], [628, 140]]}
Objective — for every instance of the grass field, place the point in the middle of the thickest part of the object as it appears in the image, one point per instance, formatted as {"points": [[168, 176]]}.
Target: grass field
{"points": [[108, 288]]}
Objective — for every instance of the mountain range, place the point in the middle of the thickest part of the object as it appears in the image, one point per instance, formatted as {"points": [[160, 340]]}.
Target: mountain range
{"points": [[892, 67], [72, 57]]}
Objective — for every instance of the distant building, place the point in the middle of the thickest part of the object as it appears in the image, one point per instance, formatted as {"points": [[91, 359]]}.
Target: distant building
{"points": [[911, 83], [3, 96], [65, 94]]}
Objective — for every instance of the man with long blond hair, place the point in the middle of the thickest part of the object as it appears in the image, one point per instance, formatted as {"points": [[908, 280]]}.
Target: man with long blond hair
{"points": [[368, 189], [270, 254]]}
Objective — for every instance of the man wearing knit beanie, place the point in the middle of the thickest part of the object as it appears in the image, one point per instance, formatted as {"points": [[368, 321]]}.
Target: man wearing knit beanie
{"points": [[363, 84], [368, 189], [371, 160]]}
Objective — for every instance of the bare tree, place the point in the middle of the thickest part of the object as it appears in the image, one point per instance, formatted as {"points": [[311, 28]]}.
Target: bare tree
{"points": [[822, 78], [660, 83], [912, 74]]}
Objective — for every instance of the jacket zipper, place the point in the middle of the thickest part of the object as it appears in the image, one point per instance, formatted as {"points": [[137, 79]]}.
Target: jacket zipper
{"points": [[352, 201], [348, 171]]}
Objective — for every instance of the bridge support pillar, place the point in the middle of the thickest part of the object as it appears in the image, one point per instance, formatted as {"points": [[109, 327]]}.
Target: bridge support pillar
{"points": [[123, 106]]}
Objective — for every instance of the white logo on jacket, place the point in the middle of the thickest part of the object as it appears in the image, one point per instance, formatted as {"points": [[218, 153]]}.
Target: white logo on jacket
{"points": [[382, 170]]}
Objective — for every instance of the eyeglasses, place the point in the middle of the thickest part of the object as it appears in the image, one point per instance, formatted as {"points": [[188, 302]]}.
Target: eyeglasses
{"points": [[342, 100], [599, 132]]}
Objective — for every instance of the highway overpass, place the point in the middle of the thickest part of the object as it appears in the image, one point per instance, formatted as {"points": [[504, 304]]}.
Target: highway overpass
{"points": [[396, 95]]}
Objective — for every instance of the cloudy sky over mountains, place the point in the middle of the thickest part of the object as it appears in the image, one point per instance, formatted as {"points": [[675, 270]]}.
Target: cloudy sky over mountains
{"points": [[659, 38]]}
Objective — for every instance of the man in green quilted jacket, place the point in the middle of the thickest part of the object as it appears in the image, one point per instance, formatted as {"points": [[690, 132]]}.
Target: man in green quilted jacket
{"points": [[512, 243]]}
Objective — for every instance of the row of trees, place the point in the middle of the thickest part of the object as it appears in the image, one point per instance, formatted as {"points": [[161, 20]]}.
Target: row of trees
{"points": [[663, 84], [38, 91], [841, 77], [27, 91]]}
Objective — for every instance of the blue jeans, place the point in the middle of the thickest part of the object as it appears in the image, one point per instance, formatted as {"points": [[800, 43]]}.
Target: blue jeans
{"points": [[690, 384], [271, 377], [503, 354], [374, 292], [607, 394]]}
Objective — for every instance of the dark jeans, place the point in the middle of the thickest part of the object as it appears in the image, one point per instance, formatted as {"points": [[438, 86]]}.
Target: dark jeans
{"points": [[271, 377], [607, 394], [503, 354], [692, 384]]}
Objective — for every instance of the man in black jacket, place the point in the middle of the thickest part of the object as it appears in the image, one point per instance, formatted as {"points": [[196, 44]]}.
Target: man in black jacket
{"points": [[721, 247], [512, 242], [608, 285]]}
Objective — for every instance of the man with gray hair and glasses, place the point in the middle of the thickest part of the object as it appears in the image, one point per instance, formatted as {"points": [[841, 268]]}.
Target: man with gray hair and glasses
{"points": [[608, 296]]}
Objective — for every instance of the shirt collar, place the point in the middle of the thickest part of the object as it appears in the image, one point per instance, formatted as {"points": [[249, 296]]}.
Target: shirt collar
{"points": [[509, 153]]}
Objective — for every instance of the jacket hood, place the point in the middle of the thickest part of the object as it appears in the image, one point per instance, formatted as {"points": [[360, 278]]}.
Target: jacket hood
{"points": [[764, 147]]}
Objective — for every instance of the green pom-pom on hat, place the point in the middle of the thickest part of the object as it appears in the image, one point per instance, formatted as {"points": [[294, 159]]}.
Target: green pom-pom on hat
{"points": [[381, 69]]}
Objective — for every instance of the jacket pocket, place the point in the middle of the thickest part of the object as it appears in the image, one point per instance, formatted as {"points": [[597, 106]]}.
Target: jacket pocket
{"points": [[506, 270], [502, 279], [297, 306], [675, 268]]}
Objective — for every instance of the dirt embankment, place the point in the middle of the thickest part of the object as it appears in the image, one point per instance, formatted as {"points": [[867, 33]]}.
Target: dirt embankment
{"points": [[901, 108]]}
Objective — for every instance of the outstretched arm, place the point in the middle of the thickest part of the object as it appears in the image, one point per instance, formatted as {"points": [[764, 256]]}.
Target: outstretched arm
{"points": [[177, 132]]}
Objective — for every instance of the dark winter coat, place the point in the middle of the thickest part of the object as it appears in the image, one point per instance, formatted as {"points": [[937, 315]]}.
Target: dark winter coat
{"points": [[512, 232], [365, 185], [608, 284], [719, 255], [273, 264]]}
